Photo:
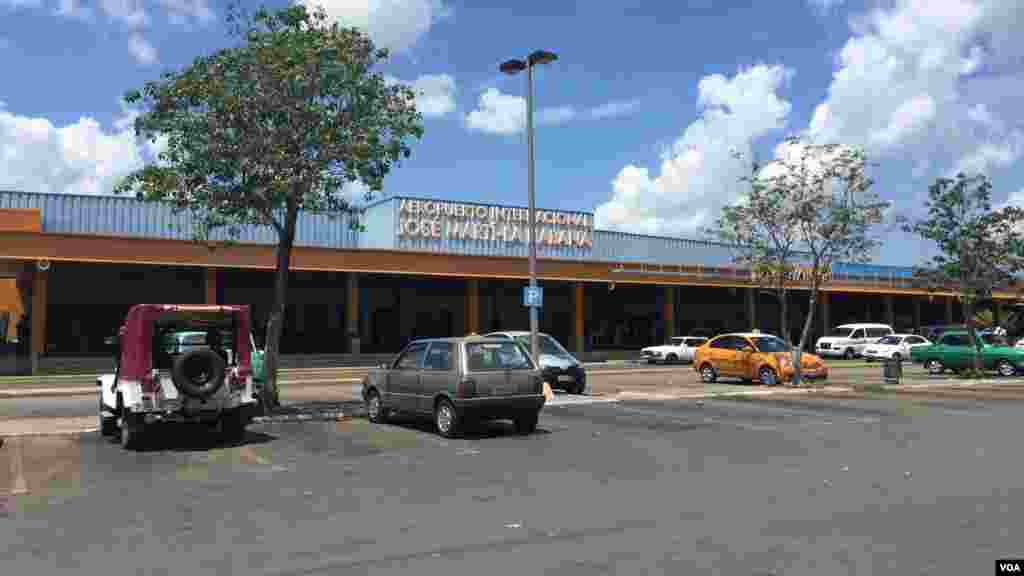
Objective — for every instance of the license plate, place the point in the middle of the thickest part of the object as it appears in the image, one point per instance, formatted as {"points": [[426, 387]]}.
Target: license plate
{"points": [[565, 378]]}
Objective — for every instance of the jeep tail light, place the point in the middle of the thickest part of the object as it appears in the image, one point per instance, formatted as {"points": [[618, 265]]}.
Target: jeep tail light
{"points": [[149, 383], [236, 381], [466, 388]]}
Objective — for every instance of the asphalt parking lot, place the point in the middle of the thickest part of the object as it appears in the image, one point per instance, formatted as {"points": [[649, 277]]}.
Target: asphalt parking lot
{"points": [[854, 484]]}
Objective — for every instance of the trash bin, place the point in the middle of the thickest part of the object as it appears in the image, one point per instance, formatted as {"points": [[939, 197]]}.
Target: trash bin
{"points": [[892, 370]]}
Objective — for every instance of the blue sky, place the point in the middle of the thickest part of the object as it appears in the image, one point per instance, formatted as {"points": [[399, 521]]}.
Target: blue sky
{"points": [[637, 118]]}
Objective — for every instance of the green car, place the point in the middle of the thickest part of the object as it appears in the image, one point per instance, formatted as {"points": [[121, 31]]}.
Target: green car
{"points": [[954, 351], [185, 341]]}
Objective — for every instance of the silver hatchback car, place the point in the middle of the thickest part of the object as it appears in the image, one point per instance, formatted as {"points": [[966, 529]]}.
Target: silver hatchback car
{"points": [[457, 380]]}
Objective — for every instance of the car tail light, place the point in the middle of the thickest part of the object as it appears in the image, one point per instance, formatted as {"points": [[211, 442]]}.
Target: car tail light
{"points": [[466, 388]]}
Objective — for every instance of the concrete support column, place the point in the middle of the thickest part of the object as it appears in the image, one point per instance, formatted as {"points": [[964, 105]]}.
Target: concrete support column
{"points": [[890, 310], [578, 317], [668, 314], [352, 334], [210, 276], [949, 310], [751, 294], [472, 315], [40, 302], [917, 314], [826, 311]]}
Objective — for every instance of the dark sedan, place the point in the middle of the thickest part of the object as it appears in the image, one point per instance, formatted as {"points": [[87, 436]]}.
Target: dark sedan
{"points": [[456, 380]]}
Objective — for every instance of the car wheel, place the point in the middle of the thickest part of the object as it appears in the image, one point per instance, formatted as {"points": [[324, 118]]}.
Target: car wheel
{"points": [[446, 419], [934, 367], [849, 354], [671, 359], [1006, 369], [897, 357], [767, 376], [375, 411], [527, 423], [708, 374]]}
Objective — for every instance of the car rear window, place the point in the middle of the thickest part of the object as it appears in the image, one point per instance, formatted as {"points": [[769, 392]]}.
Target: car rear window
{"points": [[483, 356]]}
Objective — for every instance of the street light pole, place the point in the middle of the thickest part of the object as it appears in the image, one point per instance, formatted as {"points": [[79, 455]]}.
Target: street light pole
{"points": [[534, 313], [515, 67]]}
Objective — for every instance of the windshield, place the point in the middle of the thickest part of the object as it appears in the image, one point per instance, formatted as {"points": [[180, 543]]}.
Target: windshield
{"points": [[890, 340], [840, 332], [770, 344], [548, 345]]}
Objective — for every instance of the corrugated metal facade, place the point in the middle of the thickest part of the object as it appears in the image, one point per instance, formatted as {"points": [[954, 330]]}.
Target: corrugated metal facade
{"points": [[124, 216]]}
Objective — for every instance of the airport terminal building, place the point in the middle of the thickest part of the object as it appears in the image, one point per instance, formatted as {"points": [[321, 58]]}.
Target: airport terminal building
{"points": [[73, 265]]}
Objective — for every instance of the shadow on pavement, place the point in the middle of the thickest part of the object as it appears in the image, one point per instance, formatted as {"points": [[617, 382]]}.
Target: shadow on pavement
{"points": [[315, 410], [480, 430], [194, 438]]}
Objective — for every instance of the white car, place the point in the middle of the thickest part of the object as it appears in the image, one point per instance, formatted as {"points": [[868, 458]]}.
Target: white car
{"points": [[678, 349], [895, 346], [849, 340]]}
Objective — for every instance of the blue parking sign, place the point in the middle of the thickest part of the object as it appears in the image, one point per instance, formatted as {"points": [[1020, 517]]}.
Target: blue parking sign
{"points": [[533, 296]]}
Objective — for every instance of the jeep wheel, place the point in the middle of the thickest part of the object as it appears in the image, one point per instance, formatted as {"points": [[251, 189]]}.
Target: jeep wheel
{"points": [[131, 435], [232, 426], [108, 424], [199, 373]]}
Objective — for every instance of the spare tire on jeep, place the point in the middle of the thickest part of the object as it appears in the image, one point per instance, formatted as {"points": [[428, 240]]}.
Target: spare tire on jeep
{"points": [[198, 373]]}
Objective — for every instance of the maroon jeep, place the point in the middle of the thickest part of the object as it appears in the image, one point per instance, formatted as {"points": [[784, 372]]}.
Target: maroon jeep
{"points": [[155, 382]]}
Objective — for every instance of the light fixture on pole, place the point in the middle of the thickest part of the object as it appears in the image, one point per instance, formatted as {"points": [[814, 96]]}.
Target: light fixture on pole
{"points": [[514, 67]]}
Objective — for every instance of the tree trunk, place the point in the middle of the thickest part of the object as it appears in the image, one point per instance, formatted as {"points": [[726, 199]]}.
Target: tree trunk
{"points": [[275, 324], [968, 308], [798, 353], [783, 312]]}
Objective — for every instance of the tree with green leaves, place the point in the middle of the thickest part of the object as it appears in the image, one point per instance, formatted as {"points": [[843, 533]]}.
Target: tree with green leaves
{"points": [[275, 126], [762, 238], [979, 249], [820, 197]]}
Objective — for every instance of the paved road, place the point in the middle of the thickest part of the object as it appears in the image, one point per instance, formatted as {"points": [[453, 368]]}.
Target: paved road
{"points": [[660, 380], [815, 486]]}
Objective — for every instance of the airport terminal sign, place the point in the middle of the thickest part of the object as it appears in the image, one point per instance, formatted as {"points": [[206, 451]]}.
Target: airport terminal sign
{"points": [[436, 219]]}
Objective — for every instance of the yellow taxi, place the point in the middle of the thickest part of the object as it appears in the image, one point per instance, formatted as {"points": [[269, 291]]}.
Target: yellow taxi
{"points": [[753, 356]]}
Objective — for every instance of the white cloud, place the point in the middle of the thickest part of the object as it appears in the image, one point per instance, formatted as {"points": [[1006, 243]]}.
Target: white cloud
{"points": [[140, 49], [1016, 199], [614, 109], [82, 158], [435, 93], [128, 12], [908, 84], [394, 24], [180, 10], [21, 3], [699, 173], [505, 114], [554, 116]]}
